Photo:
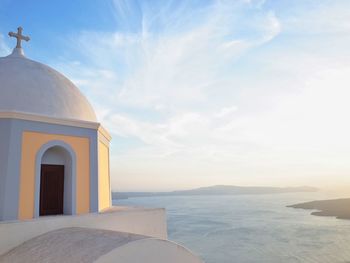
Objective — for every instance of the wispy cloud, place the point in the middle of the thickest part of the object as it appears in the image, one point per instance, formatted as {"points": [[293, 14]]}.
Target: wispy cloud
{"points": [[223, 92], [4, 49]]}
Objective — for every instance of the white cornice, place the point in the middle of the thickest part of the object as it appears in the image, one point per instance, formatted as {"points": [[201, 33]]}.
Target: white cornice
{"points": [[50, 120], [105, 133]]}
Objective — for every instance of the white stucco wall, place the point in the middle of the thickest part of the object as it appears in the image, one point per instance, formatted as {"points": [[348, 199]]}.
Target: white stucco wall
{"points": [[54, 155], [88, 245], [142, 221], [150, 251]]}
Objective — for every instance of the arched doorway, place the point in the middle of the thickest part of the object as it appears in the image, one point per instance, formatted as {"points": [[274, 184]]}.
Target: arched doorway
{"points": [[51, 189], [55, 187]]}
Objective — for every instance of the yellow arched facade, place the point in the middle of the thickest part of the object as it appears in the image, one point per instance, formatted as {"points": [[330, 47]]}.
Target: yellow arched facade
{"points": [[31, 144], [104, 185]]}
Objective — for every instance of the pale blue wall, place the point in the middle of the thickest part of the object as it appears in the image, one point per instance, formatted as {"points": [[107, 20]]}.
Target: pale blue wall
{"points": [[5, 131]]}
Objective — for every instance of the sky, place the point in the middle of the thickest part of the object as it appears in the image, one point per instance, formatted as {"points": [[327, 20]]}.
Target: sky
{"points": [[198, 92]]}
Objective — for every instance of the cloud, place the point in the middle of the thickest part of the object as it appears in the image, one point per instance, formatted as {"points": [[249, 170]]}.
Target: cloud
{"points": [[233, 92], [4, 49], [226, 111], [272, 27]]}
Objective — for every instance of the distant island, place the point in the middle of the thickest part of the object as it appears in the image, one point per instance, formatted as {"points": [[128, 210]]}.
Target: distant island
{"points": [[218, 190], [340, 208]]}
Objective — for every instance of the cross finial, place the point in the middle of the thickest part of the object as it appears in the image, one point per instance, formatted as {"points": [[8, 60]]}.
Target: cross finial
{"points": [[19, 37]]}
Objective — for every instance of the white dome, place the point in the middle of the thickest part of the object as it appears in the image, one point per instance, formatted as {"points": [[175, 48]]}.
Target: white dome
{"points": [[27, 86]]}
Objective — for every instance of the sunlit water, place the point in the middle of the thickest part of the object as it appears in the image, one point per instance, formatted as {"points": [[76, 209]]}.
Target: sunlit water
{"points": [[252, 228]]}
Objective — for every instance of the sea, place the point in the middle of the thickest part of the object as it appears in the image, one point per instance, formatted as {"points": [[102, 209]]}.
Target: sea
{"points": [[252, 228]]}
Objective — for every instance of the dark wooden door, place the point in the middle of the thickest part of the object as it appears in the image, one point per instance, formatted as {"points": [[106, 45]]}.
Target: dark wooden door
{"points": [[51, 189]]}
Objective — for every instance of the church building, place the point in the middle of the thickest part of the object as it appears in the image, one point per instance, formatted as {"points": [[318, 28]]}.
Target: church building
{"points": [[55, 192], [54, 154]]}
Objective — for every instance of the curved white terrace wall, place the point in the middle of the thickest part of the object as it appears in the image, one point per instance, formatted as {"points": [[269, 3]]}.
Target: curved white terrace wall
{"points": [[88, 245], [150, 250], [141, 221]]}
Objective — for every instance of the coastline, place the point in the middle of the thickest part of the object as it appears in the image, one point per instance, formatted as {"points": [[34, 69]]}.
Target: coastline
{"points": [[339, 208]]}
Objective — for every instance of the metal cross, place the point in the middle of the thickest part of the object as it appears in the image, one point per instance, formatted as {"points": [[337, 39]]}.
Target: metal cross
{"points": [[19, 37]]}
